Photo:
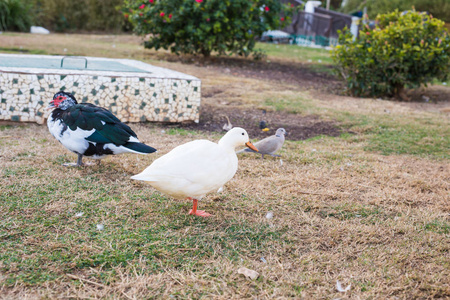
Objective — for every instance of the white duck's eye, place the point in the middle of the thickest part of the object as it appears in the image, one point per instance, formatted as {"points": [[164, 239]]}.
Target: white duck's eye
{"points": [[243, 133]]}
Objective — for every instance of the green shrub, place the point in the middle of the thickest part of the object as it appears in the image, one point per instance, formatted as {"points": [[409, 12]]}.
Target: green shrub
{"points": [[438, 8], [404, 50], [205, 26], [15, 15]]}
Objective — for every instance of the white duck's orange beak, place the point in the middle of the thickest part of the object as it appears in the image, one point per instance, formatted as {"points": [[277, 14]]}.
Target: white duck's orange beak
{"points": [[251, 146]]}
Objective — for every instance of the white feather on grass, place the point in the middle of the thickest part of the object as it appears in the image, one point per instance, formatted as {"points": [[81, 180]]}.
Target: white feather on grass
{"points": [[341, 289]]}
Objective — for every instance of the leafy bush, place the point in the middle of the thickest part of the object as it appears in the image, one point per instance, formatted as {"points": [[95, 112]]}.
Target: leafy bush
{"points": [[15, 15], [80, 15], [204, 26], [438, 8], [405, 49]]}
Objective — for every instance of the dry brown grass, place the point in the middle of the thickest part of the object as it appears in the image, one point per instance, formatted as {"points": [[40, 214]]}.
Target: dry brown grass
{"points": [[341, 213]]}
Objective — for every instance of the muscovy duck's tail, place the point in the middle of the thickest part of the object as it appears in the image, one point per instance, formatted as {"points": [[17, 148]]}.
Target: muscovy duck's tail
{"points": [[139, 148]]}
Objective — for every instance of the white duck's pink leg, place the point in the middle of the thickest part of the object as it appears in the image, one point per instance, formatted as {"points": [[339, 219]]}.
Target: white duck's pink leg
{"points": [[195, 212]]}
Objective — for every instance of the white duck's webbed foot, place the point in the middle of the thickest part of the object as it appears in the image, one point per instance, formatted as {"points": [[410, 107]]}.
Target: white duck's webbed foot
{"points": [[200, 213], [195, 212]]}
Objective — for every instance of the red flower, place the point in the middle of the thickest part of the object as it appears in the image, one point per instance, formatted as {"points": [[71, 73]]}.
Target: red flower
{"points": [[151, 1], [282, 19], [266, 8], [368, 33], [141, 14], [162, 14], [142, 6], [170, 16], [292, 5], [199, 1], [207, 20], [126, 16]]}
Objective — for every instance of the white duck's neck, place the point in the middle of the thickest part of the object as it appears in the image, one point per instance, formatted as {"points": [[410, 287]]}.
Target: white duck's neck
{"points": [[228, 143]]}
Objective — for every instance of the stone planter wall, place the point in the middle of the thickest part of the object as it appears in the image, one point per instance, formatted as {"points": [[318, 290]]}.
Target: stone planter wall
{"points": [[158, 94]]}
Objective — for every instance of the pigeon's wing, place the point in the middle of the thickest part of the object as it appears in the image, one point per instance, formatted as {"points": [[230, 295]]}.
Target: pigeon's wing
{"points": [[108, 128], [269, 145]]}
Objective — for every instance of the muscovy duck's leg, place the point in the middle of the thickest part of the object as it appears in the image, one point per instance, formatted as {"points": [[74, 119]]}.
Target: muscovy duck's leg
{"points": [[79, 162]]}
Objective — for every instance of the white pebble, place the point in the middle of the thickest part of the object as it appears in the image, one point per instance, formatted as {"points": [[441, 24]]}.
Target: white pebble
{"points": [[263, 260], [269, 215], [100, 227], [79, 214], [281, 162]]}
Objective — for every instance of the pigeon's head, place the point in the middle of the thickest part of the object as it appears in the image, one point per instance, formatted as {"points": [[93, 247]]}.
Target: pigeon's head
{"points": [[280, 132], [237, 137], [62, 100]]}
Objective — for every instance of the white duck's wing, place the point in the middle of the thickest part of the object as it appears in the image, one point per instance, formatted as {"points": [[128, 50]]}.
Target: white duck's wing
{"points": [[192, 169]]}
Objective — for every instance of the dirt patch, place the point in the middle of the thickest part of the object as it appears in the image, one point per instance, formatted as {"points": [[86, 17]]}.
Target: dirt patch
{"points": [[304, 75], [298, 127]]}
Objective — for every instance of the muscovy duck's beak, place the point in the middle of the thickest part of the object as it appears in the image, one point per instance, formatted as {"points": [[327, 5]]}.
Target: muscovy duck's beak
{"points": [[51, 105]]}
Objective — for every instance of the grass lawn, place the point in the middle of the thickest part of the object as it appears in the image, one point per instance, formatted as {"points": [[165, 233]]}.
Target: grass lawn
{"points": [[370, 208]]}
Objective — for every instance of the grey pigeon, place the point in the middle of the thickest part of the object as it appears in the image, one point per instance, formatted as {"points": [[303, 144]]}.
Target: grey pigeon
{"points": [[269, 145]]}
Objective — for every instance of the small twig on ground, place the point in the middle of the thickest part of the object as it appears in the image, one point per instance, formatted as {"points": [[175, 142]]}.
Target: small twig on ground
{"points": [[318, 194], [86, 280]]}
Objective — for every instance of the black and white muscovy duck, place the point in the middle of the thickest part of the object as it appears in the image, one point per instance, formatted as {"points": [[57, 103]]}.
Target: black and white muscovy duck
{"points": [[89, 130]]}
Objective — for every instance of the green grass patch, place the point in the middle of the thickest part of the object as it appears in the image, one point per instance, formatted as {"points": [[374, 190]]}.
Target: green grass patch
{"points": [[22, 50], [424, 138], [438, 227], [162, 235], [387, 134], [296, 53], [367, 214], [291, 104], [179, 131]]}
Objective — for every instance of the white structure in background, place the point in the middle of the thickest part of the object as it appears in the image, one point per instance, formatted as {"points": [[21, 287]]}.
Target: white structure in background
{"points": [[311, 5], [309, 9], [39, 30], [354, 28], [276, 35]]}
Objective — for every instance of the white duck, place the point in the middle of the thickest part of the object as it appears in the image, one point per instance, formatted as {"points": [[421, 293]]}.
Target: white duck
{"points": [[192, 170]]}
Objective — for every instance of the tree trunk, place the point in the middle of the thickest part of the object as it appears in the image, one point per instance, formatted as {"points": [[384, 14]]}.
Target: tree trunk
{"points": [[205, 52], [400, 93]]}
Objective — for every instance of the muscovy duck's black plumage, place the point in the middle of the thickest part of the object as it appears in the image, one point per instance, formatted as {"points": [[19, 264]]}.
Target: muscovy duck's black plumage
{"points": [[89, 130]]}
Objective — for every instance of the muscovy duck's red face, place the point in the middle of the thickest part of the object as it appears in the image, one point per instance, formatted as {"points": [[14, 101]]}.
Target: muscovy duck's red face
{"points": [[60, 98], [57, 101]]}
